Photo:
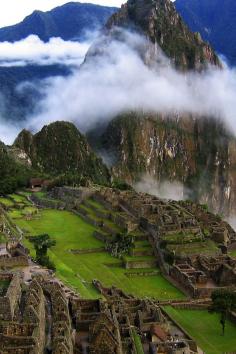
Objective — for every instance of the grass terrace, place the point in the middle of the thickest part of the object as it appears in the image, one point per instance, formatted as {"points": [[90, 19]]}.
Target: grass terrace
{"points": [[207, 247], [205, 328], [79, 270], [18, 198], [6, 202]]}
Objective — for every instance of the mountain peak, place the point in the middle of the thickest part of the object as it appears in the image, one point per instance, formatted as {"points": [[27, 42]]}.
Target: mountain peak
{"points": [[160, 22]]}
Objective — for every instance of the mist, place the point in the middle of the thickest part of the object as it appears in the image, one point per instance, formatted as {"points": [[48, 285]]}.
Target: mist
{"points": [[115, 78], [33, 51], [165, 190]]}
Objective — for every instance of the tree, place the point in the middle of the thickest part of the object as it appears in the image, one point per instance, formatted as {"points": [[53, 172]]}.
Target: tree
{"points": [[41, 244], [223, 302]]}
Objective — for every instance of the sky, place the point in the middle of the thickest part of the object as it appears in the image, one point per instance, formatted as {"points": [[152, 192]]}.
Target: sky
{"points": [[13, 11]]}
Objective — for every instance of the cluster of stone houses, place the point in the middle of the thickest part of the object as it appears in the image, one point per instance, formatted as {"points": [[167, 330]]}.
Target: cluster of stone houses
{"points": [[40, 317]]}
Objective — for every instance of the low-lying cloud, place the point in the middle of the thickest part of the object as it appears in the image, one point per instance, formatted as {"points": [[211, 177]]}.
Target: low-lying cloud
{"points": [[166, 189], [32, 50], [115, 79]]}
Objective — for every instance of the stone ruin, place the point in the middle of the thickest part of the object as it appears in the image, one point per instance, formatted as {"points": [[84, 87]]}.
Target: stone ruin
{"points": [[39, 317], [110, 326], [12, 253], [200, 277], [160, 220]]}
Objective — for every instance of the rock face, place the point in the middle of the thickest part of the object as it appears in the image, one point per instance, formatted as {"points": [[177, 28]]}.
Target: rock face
{"points": [[60, 148], [201, 155], [196, 151], [162, 25]]}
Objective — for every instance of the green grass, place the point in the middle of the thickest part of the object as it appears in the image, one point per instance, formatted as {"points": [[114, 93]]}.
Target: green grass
{"points": [[19, 213], [139, 258], [2, 238], [137, 342], [206, 247], [25, 193], [96, 205], [71, 232], [233, 253], [205, 328], [40, 194], [15, 214], [7, 202], [19, 198]]}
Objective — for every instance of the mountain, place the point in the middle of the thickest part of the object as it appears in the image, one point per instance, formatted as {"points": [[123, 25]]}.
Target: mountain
{"points": [[19, 102], [215, 21], [201, 155], [60, 148], [197, 152], [69, 22], [162, 25]]}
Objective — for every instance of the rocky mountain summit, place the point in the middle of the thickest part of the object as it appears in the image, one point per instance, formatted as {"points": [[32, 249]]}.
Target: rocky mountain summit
{"points": [[196, 151], [164, 27], [58, 152]]}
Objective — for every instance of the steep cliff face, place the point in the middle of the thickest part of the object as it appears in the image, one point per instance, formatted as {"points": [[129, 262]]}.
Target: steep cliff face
{"points": [[196, 151], [60, 148], [199, 154], [162, 25]]}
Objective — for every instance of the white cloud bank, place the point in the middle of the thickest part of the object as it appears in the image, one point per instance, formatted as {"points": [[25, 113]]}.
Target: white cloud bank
{"points": [[32, 50], [165, 190], [115, 79]]}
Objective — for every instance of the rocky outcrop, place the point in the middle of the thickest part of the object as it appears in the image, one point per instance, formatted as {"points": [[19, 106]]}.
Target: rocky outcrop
{"points": [[60, 148], [199, 154], [164, 27]]}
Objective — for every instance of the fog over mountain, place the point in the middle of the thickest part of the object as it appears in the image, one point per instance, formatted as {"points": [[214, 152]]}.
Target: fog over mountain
{"points": [[44, 45], [118, 80]]}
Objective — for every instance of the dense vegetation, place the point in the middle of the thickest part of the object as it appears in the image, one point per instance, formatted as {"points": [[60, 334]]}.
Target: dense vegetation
{"points": [[41, 244], [60, 150], [12, 174], [223, 302]]}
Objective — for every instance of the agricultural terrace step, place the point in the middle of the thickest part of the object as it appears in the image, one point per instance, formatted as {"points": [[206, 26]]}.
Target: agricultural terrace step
{"points": [[145, 251], [87, 250], [142, 273]]}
